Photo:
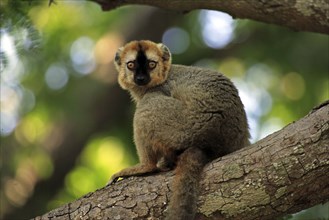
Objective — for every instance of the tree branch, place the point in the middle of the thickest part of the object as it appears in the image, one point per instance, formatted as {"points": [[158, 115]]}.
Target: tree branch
{"points": [[298, 15], [283, 173]]}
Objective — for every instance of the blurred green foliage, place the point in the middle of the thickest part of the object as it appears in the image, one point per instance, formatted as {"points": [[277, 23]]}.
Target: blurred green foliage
{"points": [[58, 84]]}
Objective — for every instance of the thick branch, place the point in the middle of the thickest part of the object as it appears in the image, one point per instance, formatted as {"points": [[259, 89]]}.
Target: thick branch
{"points": [[299, 15], [283, 173]]}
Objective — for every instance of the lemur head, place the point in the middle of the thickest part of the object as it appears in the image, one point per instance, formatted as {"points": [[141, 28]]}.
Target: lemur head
{"points": [[142, 64]]}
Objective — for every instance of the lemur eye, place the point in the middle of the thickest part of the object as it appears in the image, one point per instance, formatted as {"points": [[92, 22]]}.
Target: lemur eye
{"points": [[131, 65], [152, 64]]}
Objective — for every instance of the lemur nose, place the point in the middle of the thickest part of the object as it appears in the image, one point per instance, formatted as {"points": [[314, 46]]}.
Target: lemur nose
{"points": [[141, 80]]}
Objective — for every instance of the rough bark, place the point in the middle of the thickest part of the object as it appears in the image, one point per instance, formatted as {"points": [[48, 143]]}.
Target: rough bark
{"points": [[300, 15], [283, 173]]}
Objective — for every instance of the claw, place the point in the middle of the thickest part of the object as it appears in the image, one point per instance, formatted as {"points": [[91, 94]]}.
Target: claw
{"points": [[112, 181]]}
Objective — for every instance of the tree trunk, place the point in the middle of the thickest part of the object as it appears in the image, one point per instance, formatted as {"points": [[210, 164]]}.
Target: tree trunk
{"points": [[300, 15], [283, 173]]}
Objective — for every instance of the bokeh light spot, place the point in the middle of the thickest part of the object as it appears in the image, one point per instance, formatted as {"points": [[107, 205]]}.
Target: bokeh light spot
{"points": [[293, 86], [9, 98], [232, 67], [177, 39], [78, 182], [257, 105], [106, 48], [56, 77], [15, 192], [104, 153], [217, 28], [42, 164], [8, 123], [262, 75], [33, 129], [82, 55]]}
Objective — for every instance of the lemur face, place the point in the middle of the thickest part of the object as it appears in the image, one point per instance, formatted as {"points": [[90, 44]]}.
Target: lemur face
{"points": [[142, 64]]}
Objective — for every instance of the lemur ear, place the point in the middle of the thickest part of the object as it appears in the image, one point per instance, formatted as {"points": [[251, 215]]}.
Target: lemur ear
{"points": [[117, 58], [166, 55]]}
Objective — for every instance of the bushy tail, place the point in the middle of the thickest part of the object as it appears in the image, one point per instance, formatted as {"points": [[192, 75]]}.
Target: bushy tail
{"points": [[182, 204]]}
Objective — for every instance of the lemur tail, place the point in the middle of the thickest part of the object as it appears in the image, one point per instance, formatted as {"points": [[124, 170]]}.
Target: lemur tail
{"points": [[183, 203]]}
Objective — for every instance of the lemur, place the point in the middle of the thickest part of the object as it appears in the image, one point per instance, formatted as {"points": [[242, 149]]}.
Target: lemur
{"points": [[185, 117]]}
